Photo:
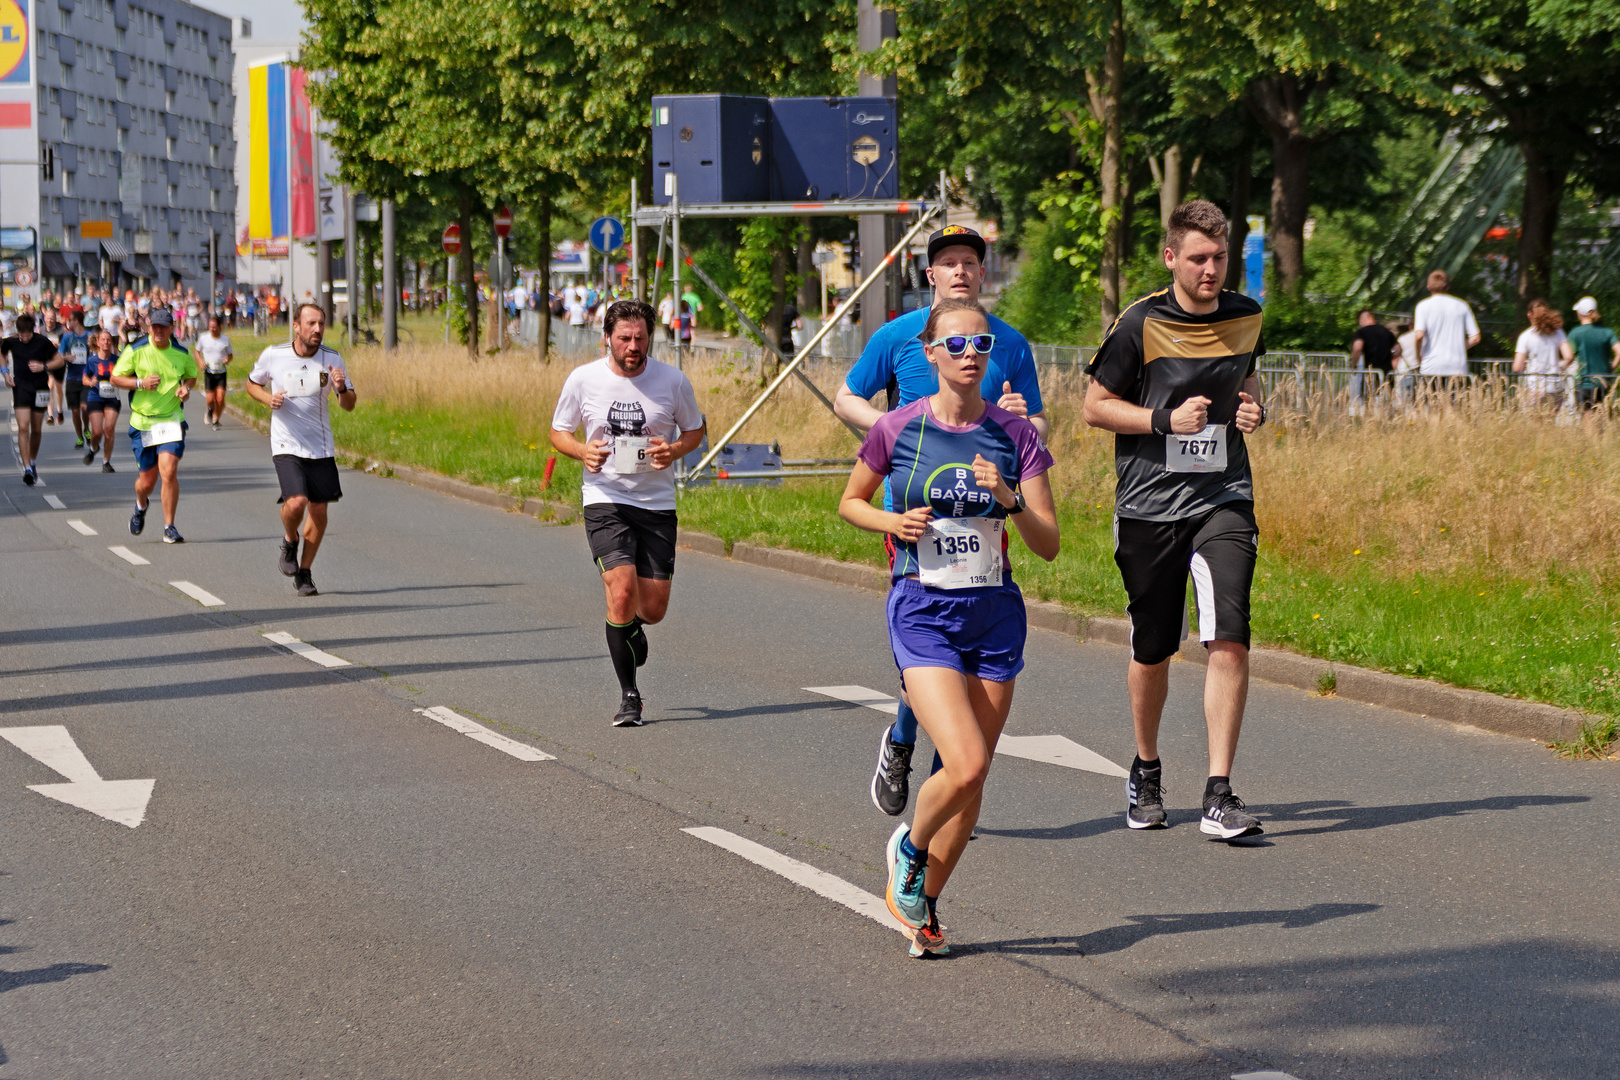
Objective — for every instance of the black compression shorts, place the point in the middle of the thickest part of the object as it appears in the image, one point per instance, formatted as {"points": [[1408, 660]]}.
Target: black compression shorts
{"points": [[214, 380], [316, 479], [622, 535], [1154, 557]]}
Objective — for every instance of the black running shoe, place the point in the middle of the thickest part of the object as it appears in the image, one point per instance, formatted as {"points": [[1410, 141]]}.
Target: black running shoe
{"points": [[171, 535], [289, 557], [304, 582], [629, 714], [1226, 818], [638, 644], [106, 466], [29, 476], [1144, 795], [90, 456], [890, 786], [137, 521]]}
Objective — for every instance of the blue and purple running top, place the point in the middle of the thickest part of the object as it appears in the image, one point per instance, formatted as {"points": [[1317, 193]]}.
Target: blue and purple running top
{"points": [[931, 464]]}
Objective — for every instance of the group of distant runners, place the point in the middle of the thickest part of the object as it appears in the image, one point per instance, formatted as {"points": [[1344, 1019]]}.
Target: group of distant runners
{"points": [[295, 380], [961, 456]]}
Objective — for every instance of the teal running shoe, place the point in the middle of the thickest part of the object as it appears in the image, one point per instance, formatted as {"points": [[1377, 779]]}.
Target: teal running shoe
{"points": [[905, 892], [930, 940]]}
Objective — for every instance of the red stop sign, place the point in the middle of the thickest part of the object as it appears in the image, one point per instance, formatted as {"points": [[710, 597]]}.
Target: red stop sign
{"points": [[451, 239], [503, 222]]}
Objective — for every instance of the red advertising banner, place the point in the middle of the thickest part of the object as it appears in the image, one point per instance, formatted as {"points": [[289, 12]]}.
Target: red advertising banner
{"points": [[301, 182]]}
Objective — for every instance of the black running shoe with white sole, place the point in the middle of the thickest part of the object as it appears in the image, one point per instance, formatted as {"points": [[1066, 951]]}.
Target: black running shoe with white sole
{"points": [[137, 521], [304, 583], [289, 557], [1144, 795], [89, 457], [1226, 818], [891, 786], [629, 714]]}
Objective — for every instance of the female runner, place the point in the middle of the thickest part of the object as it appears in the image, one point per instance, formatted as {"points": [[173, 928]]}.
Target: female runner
{"points": [[956, 620], [100, 399]]}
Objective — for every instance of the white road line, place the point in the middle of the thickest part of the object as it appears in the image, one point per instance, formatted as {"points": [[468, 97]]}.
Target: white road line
{"points": [[479, 733], [307, 651], [202, 596], [1267, 1074], [80, 527], [1052, 749], [819, 882], [55, 503], [129, 556]]}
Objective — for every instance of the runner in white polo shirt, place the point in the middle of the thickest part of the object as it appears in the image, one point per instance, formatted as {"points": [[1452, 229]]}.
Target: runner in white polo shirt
{"points": [[294, 380]]}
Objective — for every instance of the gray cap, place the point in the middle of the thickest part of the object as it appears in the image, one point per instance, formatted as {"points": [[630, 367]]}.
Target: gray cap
{"points": [[161, 317]]}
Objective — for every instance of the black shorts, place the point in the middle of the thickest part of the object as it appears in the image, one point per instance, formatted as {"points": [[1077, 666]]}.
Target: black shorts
{"points": [[622, 535], [22, 397], [214, 380], [1154, 557], [74, 390], [316, 479], [1592, 396]]}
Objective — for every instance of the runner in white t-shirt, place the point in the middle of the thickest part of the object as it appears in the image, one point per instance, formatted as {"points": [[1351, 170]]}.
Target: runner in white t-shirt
{"points": [[577, 309], [1444, 330], [639, 417], [1544, 353], [294, 380], [213, 353]]}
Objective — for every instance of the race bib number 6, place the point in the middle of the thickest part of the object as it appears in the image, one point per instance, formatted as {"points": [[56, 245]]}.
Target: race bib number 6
{"points": [[1203, 452], [961, 553], [632, 454]]}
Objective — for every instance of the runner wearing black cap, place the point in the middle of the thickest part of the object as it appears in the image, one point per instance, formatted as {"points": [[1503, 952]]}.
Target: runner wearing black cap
{"points": [[162, 374], [894, 363], [1175, 380]]}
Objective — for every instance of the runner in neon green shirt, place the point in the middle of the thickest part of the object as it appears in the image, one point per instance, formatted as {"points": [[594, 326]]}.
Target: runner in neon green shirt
{"points": [[162, 374]]}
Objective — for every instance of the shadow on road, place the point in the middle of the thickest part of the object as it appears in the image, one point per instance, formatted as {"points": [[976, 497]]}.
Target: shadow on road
{"points": [[12, 980]]}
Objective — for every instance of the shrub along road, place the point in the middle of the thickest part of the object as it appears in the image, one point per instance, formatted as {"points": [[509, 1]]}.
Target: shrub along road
{"points": [[327, 881]]}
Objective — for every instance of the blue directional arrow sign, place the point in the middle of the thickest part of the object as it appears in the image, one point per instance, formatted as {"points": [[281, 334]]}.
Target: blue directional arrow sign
{"points": [[607, 235]]}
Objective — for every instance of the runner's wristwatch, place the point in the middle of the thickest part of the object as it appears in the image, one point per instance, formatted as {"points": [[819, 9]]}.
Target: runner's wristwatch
{"points": [[1018, 503]]}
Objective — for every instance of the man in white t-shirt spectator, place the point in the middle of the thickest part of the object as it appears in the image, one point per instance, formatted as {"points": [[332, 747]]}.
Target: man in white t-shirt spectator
{"points": [[666, 314], [1443, 330], [577, 309], [110, 317]]}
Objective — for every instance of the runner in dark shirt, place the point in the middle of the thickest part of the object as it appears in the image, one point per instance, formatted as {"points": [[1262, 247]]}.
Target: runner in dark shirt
{"points": [[32, 356]]}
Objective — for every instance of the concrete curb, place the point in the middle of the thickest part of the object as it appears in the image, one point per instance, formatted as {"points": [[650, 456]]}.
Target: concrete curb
{"points": [[1432, 700], [432, 481]]}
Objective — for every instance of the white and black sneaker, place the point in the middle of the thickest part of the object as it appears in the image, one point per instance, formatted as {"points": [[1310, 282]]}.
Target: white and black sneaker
{"points": [[629, 714], [1144, 796], [1226, 818], [891, 786]]}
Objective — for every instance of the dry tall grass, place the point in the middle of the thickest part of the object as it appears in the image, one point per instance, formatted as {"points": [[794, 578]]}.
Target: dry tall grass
{"points": [[1482, 486]]}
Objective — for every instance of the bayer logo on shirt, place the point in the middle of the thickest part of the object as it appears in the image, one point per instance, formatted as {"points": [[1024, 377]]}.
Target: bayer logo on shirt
{"points": [[953, 492]]}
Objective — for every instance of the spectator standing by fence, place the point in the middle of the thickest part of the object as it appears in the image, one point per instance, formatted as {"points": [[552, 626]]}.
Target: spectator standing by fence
{"points": [[1443, 330], [1597, 352], [1543, 353], [1373, 348]]}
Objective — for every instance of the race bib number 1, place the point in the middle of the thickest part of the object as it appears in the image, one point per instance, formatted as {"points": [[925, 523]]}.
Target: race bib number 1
{"points": [[1204, 452], [631, 454], [305, 382], [961, 553]]}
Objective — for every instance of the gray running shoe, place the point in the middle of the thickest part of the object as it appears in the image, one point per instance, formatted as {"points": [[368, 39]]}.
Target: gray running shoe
{"points": [[1226, 818], [890, 784], [1145, 796], [289, 557], [304, 581]]}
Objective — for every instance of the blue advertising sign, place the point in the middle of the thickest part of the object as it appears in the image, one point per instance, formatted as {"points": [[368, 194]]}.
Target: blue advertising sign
{"points": [[607, 235], [1254, 260]]}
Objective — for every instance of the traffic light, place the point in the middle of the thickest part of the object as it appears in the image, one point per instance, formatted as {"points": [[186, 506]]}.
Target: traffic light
{"points": [[47, 161], [852, 252]]}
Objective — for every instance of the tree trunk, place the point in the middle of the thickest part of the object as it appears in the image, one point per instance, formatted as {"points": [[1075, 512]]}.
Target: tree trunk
{"points": [[1279, 103], [809, 293], [1544, 181], [469, 284], [1238, 215], [1169, 179], [1105, 98], [545, 279], [773, 320]]}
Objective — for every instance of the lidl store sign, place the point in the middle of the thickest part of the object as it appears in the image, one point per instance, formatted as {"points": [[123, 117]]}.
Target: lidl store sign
{"points": [[14, 42]]}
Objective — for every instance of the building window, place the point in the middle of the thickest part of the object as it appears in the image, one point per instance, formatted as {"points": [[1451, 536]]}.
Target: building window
{"points": [[213, 198], [121, 136], [67, 74], [174, 194], [67, 128], [123, 89], [168, 101], [213, 67], [39, 39], [118, 36], [64, 20], [56, 98], [168, 52], [67, 184], [168, 144]]}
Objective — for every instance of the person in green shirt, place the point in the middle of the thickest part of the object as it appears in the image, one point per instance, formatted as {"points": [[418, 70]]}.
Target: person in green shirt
{"points": [[1597, 352], [162, 374]]}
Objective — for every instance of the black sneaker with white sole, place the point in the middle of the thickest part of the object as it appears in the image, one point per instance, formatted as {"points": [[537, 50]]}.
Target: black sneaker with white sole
{"points": [[1144, 796], [891, 786], [1226, 818], [289, 557], [304, 583], [629, 714]]}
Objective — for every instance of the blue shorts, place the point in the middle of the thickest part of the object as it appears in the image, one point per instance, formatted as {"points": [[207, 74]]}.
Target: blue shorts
{"points": [[146, 456], [978, 632]]}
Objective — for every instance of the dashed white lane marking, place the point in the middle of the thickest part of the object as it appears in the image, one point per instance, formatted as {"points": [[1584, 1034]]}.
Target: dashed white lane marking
{"points": [[1267, 1074], [80, 527], [307, 651], [202, 596], [123, 801], [479, 733], [819, 882], [129, 556], [55, 503], [1052, 749]]}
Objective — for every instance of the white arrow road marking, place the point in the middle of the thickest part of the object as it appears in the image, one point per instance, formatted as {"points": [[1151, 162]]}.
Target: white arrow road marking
{"points": [[123, 801], [819, 882], [202, 596], [1052, 749], [55, 503], [308, 652], [479, 733], [80, 527], [129, 556]]}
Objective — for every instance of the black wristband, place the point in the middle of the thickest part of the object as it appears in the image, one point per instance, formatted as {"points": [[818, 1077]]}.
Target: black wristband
{"points": [[1161, 422]]}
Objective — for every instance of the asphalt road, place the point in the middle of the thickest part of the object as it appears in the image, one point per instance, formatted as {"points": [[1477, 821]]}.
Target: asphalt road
{"points": [[329, 883]]}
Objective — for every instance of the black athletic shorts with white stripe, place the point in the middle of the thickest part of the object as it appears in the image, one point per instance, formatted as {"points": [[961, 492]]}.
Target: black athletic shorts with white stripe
{"points": [[1155, 557]]}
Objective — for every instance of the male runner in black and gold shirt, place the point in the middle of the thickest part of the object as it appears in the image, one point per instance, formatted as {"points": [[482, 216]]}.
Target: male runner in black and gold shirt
{"points": [[1175, 380]]}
